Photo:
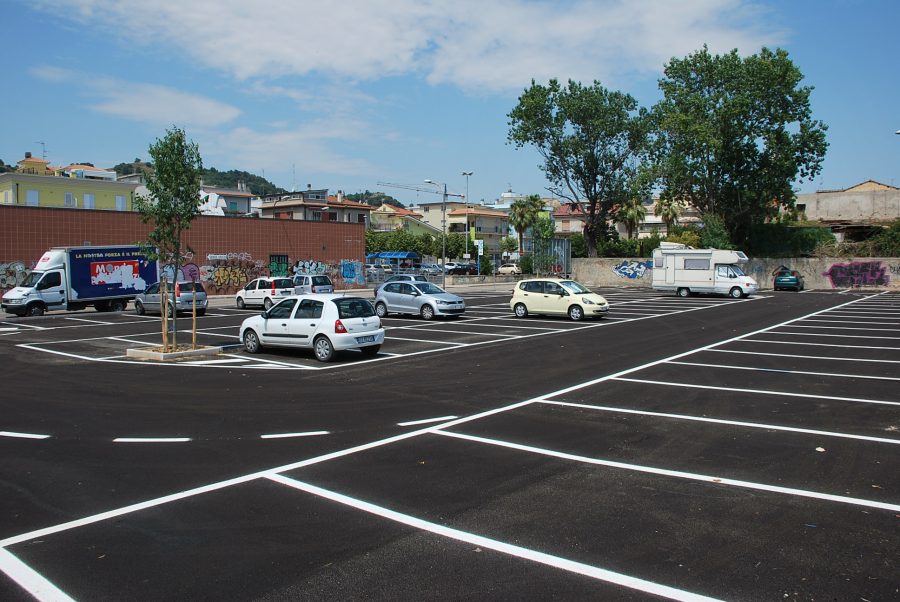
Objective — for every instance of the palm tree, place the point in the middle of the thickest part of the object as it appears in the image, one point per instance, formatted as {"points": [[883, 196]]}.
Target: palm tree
{"points": [[523, 213], [668, 210], [631, 213]]}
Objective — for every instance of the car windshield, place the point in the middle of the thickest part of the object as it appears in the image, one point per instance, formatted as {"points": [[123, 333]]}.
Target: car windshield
{"points": [[575, 287], [321, 280], [283, 283], [186, 287], [428, 288], [354, 307], [32, 278], [738, 271]]}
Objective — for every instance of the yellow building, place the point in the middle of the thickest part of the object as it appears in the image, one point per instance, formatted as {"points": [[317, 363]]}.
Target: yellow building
{"points": [[36, 184]]}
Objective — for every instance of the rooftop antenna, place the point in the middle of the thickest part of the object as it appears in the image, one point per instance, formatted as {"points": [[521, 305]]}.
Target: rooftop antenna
{"points": [[43, 150], [293, 177]]}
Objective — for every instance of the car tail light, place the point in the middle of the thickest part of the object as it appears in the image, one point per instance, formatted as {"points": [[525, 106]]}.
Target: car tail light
{"points": [[339, 327], [273, 287], [177, 290]]}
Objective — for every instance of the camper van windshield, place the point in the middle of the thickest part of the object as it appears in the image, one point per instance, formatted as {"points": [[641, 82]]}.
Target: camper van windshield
{"points": [[737, 270], [32, 279]]}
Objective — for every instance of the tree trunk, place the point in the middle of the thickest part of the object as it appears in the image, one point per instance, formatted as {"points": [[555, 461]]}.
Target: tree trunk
{"points": [[590, 238]]}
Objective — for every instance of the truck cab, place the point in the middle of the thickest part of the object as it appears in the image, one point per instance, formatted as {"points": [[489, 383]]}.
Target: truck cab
{"points": [[42, 290]]}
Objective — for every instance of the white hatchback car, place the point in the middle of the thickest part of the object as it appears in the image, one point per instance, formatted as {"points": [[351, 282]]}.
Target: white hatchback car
{"points": [[557, 296], [264, 291], [322, 322]]}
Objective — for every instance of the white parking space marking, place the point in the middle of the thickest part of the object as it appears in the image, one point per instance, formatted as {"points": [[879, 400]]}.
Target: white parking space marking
{"points": [[808, 344], [757, 391], [427, 420], [844, 321], [842, 327], [101, 322], [151, 439], [30, 580], [678, 473], [810, 357], [756, 425], [23, 435], [234, 360], [292, 435], [449, 343], [782, 371], [493, 544], [18, 325], [823, 334]]}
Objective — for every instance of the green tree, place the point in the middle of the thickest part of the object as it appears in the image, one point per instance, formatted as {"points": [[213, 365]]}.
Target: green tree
{"points": [[668, 210], [542, 232], [508, 244], [714, 234], [735, 134], [376, 199], [631, 213], [594, 144], [522, 215], [173, 202]]}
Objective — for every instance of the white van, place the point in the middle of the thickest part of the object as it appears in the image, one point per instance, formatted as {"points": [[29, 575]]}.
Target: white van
{"points": [[686, 270]]}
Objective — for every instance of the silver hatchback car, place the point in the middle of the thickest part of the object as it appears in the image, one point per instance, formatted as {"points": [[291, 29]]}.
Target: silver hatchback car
{"points": [[182, 300], [419, 298]]}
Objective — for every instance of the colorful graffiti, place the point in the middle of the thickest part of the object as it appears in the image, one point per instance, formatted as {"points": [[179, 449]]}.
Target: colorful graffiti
{"points": [[310, 266], [279, 268], [633, 269], [352, 272], [12, 274], [857, 274]]}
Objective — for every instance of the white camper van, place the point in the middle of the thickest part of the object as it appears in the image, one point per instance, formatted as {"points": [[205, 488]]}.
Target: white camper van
{"points": [[686, 270]]}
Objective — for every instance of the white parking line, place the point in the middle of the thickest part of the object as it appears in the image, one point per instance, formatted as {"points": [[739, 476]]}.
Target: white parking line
{"points": [[291, 435], [151, 439], [393, 338], [679, 474], [427, 420], [30, 580], [756, 425], [841, 327], [782, 371], [23, 435], [823, 334], [101, 322], [757, 391], [493, 544], [809, 357], [808, 344]]}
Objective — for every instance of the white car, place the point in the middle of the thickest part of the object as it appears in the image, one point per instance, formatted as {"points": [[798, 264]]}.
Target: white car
{"points": [[312, 283], [509, 268], [264, 291], [557, 297], [321, 322]]}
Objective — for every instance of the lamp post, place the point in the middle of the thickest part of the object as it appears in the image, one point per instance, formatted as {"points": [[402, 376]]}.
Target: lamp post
{"points": [[467, 174], [443, 232]]}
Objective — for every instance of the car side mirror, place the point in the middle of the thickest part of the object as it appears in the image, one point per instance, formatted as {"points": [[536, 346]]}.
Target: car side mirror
{"points": [[265, 314], [563, 293]]}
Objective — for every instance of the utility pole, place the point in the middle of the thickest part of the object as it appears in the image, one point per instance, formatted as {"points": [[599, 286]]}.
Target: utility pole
{"points": [[467, 174]]}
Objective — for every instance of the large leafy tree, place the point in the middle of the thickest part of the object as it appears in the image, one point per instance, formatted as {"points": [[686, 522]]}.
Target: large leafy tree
{"points": [[173, 202], [523, 213], [735, 134], [593, 142]]}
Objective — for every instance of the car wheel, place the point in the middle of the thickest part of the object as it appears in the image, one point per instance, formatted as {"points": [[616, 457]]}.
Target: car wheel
{"points": [[240, 303], [251, 341], [35, 310], [117, 305], [684, 292], [736, 293], [139, 308], [370, 351], [324, 349], [381, 310], [520, 310], [576, 313], [267, 303], [427, 312]]}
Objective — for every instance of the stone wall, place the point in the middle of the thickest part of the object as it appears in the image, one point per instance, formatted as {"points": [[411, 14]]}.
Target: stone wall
{"points": [[881, 273]]}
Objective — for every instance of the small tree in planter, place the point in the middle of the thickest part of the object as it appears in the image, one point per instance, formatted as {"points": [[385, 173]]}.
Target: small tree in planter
{"points": [[172, 205]]}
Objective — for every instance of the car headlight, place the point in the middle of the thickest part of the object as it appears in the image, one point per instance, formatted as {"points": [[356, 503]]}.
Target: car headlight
{"points": [[587, 301]]}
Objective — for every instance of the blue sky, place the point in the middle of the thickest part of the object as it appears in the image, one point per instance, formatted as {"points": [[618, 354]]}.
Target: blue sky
{"points": [[344, 95]]}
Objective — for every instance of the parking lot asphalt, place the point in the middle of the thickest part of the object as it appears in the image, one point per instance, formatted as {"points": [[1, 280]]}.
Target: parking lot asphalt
{"points": [[699, 448]]}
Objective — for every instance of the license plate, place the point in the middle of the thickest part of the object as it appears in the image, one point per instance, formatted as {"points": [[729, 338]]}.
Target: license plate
{"points": [[369, 339]]}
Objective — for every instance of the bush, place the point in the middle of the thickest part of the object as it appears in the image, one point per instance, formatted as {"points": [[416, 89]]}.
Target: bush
{"points": [[686, 237], [526, 263], [714, 234]]}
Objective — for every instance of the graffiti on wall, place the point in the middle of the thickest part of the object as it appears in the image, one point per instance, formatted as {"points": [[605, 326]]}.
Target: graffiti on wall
{"points": [[310, 266], [633, 269], [352, 272], [12, 274], [858, 273]]}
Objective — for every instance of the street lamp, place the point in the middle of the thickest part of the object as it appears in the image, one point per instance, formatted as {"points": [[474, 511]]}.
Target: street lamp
{"points": [[467, 174], [443, 232]]}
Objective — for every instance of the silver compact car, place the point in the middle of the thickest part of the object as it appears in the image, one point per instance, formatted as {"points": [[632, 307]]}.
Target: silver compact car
{"points": [[321, 322], [418, 298], [182, 300]]}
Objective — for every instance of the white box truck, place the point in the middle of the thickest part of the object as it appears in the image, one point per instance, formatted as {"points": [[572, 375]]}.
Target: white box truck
{"points": [[687, 271], [72, 278]]}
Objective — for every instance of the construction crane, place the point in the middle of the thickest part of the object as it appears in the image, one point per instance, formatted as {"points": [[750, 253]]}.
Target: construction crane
{"points": [[444, 195]]}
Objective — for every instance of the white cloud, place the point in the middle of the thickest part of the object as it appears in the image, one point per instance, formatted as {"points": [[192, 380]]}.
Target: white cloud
{"points": [[493, 46]]}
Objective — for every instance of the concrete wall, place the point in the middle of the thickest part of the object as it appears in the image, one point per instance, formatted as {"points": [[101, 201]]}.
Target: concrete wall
{"points": [[882, 273], [227, 251], [856, 206]]}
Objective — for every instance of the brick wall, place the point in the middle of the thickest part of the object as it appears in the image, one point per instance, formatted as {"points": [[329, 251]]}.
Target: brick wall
{"points": [[240, 248]]}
